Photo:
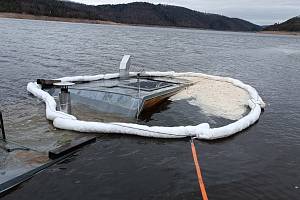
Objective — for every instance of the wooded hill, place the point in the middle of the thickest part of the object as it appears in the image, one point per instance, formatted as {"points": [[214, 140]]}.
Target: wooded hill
{"points": [[138, 13], [291, 25]]}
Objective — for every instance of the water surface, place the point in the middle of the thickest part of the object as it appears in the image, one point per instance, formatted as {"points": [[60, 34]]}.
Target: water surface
{"points": [[262, 162]]}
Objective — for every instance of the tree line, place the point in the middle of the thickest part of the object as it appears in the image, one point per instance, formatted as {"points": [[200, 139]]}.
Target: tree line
{"points": [[132, 13]]}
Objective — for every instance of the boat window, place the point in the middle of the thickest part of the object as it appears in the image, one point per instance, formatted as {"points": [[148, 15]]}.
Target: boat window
{"points": [[148, 85]]}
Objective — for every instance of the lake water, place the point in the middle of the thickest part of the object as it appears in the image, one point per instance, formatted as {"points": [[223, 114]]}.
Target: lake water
{"points": [[262, 162]]}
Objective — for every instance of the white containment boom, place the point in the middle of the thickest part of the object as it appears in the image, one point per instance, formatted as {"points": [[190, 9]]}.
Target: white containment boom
{"points": [[200, 131]]}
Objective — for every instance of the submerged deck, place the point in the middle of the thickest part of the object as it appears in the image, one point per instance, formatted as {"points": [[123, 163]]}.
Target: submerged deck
{"points": [[126, 97]]}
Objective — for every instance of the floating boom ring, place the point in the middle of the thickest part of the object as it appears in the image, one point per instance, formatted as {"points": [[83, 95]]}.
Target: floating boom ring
{"points": [[202, 131]]}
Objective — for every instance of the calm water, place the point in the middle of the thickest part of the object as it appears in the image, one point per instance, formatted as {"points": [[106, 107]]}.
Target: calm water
{"points": [[260, 163]]}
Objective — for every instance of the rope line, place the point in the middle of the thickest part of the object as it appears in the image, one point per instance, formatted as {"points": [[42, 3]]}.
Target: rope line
{"points": [[198, 170], [20, 147]]}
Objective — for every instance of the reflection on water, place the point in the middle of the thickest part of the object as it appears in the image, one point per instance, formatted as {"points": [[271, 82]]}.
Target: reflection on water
{"points": [[185, 113], [260, 163]]}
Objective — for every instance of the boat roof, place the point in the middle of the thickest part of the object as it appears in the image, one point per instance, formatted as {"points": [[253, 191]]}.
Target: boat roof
{"points": [[144, 87]]}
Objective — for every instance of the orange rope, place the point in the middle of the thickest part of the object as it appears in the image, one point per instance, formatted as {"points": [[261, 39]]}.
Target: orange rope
{"points": [[198, 170]]}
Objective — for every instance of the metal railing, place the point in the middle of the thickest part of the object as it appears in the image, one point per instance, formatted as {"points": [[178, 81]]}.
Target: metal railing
{"points": [[139, 92]]}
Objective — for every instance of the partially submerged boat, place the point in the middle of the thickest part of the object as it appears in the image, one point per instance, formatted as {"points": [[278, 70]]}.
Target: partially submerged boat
{"points": [[126, 95], [129, 93]]}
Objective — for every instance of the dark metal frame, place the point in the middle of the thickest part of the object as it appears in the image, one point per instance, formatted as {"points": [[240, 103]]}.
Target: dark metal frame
{"points": [[2, 127], [138, 86]]}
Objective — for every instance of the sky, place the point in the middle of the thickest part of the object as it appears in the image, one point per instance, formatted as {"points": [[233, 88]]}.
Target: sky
{"points": [[262, 12]]}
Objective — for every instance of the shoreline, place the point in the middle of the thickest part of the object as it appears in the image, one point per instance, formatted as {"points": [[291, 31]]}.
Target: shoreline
{"points": [[280, 33], [90, 21], [59, 19]]}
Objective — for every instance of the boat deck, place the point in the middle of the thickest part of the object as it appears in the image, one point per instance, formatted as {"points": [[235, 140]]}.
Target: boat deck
{"points": [[126, 97]]}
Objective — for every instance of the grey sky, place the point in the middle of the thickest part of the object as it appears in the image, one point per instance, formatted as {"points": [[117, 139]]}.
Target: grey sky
{"points": [[261, 12]]}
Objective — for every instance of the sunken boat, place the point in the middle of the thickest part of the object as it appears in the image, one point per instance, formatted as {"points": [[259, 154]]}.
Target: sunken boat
{"points": [[127, 94]]}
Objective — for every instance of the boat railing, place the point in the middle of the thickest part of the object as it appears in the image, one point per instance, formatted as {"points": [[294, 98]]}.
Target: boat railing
{"points": [[137, 67], [139, 91], [2, 127]]}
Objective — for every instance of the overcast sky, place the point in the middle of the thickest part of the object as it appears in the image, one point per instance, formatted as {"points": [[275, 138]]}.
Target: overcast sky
{"points": [[263, 12]]}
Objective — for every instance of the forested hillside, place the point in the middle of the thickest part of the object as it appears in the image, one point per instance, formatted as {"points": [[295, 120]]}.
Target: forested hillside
{"points": [[132, 13], [292, 25]]}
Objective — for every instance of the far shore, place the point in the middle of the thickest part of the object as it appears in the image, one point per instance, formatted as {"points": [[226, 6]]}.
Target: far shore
{"points": [[78, 20], [89, 21], [48, 18], [279, 32]]}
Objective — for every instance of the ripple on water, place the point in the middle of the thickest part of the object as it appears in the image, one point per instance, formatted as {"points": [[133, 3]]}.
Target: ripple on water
{"points": [[260, 163]]}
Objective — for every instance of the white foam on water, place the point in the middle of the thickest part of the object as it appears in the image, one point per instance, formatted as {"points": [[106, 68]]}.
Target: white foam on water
{"points": [[221, 99]]}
